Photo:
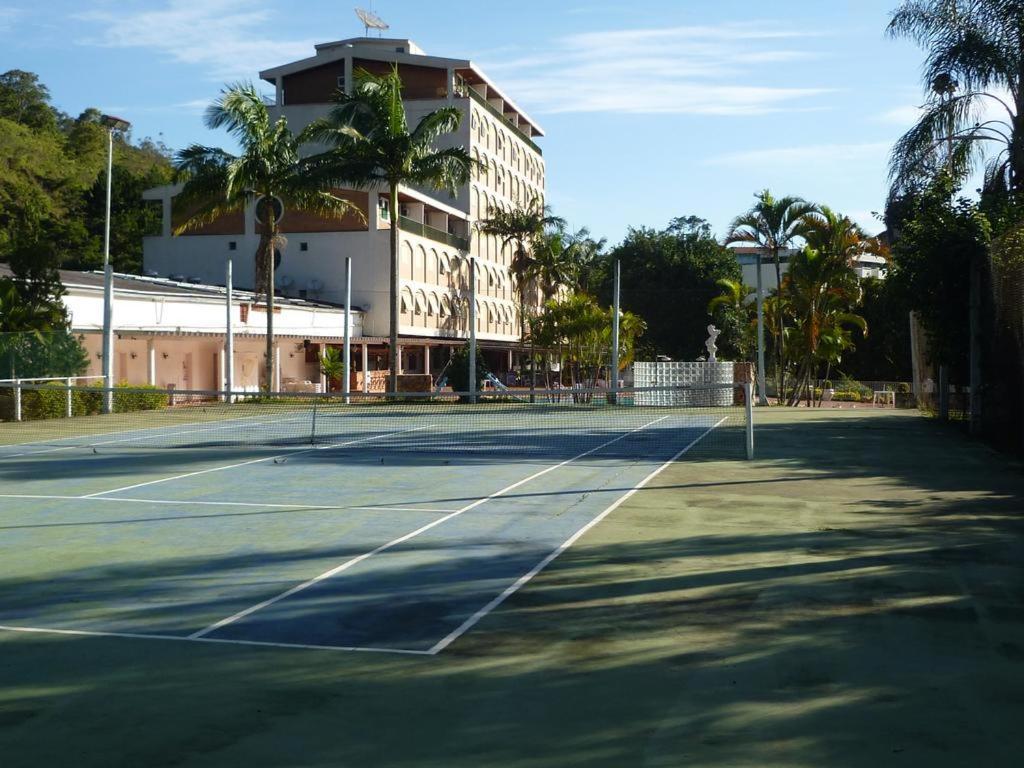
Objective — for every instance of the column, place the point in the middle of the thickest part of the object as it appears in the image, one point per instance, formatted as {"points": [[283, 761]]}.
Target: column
{"points": [[426, 359], [397, 362], [366, 367], [277, 368], [510, 365], [151, 361]]}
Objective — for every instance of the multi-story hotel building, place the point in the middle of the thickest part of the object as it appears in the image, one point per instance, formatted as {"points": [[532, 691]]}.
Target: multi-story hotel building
{"points": [[438, 231]]}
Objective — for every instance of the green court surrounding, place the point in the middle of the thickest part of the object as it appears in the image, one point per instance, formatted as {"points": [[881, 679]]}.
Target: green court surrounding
{"points": [[852, 597]]}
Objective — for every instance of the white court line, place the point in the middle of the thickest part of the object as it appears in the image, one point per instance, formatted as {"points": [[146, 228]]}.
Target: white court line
{"points": [[149, 432], [402, 539], [181, 639], [290, 454], [522, 580], [218, 503]]}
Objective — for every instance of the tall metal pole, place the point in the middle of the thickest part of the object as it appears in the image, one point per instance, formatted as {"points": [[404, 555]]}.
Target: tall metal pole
{"points": [[108, 290], [346, 380], [229, 338], [615, 332], [762, 395], [472, 330], [974, 323]]}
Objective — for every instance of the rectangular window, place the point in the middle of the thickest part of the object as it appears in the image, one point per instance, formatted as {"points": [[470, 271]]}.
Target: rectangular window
{"points": [[341, 83], [303, 246], [232, 246]]}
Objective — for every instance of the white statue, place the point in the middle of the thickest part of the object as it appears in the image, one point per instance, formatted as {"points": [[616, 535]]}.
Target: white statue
{"points": [[710, 343]]}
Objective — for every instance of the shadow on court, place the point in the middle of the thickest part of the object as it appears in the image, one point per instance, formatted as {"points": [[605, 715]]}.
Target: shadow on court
{"points": [[855, 597]]}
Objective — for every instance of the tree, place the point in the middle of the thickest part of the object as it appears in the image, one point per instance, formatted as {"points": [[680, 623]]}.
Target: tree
{"points": [[772, 224], [582, 330], [458, 369], [974, 55], [25, 100], [521, 228], [554, 264], [370, 143], [732, 312], [268, 169], [668, 277], [940, 237], [822, 290]]}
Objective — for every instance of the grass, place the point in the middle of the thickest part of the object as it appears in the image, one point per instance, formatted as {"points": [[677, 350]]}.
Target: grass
{"points": [[853, 597]]}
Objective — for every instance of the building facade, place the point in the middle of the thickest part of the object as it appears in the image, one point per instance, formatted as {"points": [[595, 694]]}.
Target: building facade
{"points": [[866, 265], [439, 233], [173, 335]]}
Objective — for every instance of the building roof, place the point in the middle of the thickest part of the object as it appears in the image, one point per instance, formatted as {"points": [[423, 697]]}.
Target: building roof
{"points": [[146, 284], [398, 50]]}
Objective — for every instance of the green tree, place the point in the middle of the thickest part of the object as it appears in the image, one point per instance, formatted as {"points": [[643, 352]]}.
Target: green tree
{"points": [[669, 276], [26, 101], [458, 369], [974, 57], [370, 143], [732, 311], [266, 170], [823, 291], [581, 329], [521, 228], [772, 224], [940, 236]]}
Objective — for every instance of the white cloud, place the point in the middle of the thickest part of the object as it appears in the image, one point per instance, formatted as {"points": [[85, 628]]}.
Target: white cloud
{"points": [[901, 116], [7, 17], [710, 70], [809, 154], [228, 38]]}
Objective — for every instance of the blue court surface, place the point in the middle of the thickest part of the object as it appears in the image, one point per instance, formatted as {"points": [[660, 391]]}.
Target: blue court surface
{"points": [[397, 531]]}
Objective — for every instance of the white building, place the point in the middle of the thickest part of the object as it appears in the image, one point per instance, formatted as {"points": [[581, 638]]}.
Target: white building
{"points": [[865, 266], [438, 233], [172, 334]]}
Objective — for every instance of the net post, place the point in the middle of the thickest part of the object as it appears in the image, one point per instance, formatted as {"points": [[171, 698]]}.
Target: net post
{"points": [[346, 375], [67, 398], [17, 399], [748, 405], [615, 335], [472, 330]]}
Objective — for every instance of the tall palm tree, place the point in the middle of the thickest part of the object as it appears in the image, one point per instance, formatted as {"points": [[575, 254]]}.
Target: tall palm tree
{"points": [[975, 62], [772, 225], [266, 170], [732, 307], [840, 237], [555, 263], [370, 144], [520, 228]]}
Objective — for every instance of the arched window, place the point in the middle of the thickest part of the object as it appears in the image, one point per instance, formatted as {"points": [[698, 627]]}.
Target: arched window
{"points": [[405, 262], [420, 272], [433, 305], [432, 266], [406, 302]]}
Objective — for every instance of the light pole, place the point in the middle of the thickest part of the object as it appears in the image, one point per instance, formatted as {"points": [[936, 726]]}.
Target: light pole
{"points": [[112, 124]]}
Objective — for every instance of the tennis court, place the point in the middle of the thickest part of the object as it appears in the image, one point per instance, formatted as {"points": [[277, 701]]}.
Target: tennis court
{"points": [[364, 526]]}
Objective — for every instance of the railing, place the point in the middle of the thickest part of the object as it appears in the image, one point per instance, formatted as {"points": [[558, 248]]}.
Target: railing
{"points": [[411, 225], [497, 113]]}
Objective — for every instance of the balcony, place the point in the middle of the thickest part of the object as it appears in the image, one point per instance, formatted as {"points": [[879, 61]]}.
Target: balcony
{"points": [[416, 228], [515, 128]]}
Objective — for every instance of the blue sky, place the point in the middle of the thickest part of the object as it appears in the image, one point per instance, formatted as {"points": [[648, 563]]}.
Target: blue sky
{"points": [[653, 109]]}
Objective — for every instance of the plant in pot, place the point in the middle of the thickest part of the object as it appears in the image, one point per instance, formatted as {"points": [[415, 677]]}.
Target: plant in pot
{"points": [[332, 366]]}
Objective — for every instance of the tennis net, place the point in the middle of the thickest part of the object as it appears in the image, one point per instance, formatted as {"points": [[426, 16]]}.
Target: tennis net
{"points": [[699, 420]]}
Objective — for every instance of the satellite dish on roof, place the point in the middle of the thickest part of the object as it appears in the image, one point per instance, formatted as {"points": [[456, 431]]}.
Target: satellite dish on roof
{"points": [[371, 21]]}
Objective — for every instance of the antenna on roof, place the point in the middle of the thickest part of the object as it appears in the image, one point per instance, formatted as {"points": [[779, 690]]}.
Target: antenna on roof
{"points": [[371, 21]]}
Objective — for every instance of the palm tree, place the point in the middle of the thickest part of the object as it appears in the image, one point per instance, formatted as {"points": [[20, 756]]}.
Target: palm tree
{"points": [[975, 56], [554, 263], [840, 237], [772, 225], [732, 308], [267, 170], [520, 228], [823, 291], [370, 144]]}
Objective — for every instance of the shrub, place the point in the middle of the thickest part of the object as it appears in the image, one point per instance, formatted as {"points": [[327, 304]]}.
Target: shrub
{"points": [[828, 384], [138, 397], [903, 388], [458, 371]]}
